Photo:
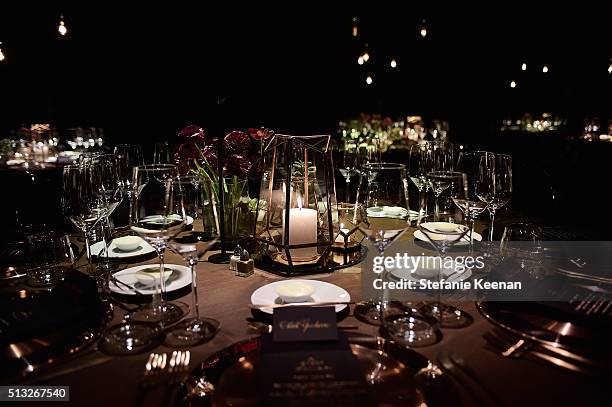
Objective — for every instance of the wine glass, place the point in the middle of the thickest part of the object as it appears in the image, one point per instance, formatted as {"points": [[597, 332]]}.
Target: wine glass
{"points": [[158, 216], [350, 165], [163, 153], [496, 187], [81, 203], [522, 243], [192, 244], [381, 213], [419, 165], [129, 336], [475, 164], [128, 156]]}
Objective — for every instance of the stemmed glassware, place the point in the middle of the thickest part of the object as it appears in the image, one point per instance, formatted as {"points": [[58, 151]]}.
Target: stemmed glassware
{"points": [[81, 202], [496, 187], [350, 166], [192, 244], [128, 156], [441, 154], [419, 165], [164, 153], [381, 213], [158, 217], [475, 164]]}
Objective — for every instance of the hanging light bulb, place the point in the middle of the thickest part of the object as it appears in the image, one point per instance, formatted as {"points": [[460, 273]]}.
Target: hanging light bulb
{"points": [[369, 80], [609, 68], [2, 58], [61, 28], [524, 67], [355, 31], [545, 69], [360, 60], [365, 56], [513, 84], [423, 30], [393, 63]]}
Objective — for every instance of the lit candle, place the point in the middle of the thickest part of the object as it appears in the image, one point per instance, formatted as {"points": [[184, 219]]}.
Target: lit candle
{"points": [[344, 232], [302, 230]]}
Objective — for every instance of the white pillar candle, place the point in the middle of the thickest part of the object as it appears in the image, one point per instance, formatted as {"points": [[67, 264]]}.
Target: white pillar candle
{"points": [[302, 230]]}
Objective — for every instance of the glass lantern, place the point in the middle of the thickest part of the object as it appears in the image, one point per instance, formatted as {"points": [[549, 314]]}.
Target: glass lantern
{"points": [[296, 219]]}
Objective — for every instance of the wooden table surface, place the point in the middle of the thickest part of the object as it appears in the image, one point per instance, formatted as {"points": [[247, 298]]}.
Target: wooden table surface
{"points": [[98, 379]]}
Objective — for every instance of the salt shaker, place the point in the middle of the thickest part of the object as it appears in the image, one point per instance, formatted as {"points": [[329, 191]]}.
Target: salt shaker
{"points": [[235, 257], [245, 266]]}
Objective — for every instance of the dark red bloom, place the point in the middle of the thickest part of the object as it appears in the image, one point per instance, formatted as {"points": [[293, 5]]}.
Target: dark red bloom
{"points": [[188, 151], [237, 164], [260, 134], [210, 154], [192, 131], [237, 142]]}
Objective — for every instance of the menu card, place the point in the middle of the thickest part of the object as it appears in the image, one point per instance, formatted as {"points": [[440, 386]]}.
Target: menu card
{"points": [[319, 371]]}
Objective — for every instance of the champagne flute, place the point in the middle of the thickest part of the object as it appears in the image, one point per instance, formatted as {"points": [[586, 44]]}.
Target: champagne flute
{"points": [[496, 187], [128, 156], [441, 164], [474, 164], [192, 244], [158, 216]]}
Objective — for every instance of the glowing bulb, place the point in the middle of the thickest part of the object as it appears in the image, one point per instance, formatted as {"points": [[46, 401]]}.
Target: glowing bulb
{"points": [[369, 80], [355, 31], [513, 84], [63, 30], [360, 60], [609, 68], [2, 58], [524, 67], [393, 63], [366, 56], [544, 69], [423, 32]]}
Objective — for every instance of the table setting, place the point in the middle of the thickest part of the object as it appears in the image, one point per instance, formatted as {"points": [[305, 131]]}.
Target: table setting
{"points": [[189, 310]]}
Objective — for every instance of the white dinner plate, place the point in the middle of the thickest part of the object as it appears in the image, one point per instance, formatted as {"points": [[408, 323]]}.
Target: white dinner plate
{"points": [[453, 273], [324, 292], [114, 252], [180, 278], [464, 240]]}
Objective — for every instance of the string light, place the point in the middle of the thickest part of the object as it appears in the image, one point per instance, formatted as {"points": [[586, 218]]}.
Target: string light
{"points": [[2, 57], [609, 68], [369, 80], [360, 60], [524, 67], [365, 56], [423, 30], [355, 31], [393, 63], [513, 84], [544, 69], [61, 28]]}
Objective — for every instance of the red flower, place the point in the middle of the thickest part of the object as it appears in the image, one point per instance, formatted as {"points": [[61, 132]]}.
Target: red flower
{"points": [[260, 134], [210, 154], [188, 151], [192, 131], [237, 164], [237, 142]]}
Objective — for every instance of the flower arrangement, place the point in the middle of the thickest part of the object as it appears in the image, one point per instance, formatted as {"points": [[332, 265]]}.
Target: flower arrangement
{"points": [[242, 159]]}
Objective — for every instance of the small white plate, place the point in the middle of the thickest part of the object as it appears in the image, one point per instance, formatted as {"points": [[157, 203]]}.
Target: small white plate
{"points": [[15, 162], [180, 278], [453, 272], [114, 252], [464, 240], [324, 292]]}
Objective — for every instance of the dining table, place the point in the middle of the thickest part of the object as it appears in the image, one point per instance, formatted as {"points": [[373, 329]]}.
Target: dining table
{"points": [[486, 377]]}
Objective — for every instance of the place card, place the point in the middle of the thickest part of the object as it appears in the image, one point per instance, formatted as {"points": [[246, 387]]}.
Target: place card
{"points": [[307, 374], [297, 324]]}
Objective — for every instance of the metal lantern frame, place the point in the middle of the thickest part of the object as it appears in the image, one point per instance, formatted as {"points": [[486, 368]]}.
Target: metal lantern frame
{"points": [[317, 145]]}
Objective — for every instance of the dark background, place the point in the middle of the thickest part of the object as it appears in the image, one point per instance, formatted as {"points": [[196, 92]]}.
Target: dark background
{"points": [[142, 72]]}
